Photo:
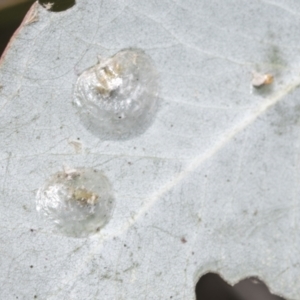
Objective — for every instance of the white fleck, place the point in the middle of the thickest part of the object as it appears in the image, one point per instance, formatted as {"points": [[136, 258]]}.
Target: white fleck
{"points": [[76, 144], [48, 5], [259, 80]]}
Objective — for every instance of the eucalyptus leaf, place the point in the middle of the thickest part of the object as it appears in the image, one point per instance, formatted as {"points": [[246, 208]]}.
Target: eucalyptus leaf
{"points": [[211, 186]]}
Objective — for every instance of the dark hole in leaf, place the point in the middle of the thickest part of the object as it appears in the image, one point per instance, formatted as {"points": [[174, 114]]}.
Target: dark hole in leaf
{"points": [[212, 287], [57, 5], [10, 19]]}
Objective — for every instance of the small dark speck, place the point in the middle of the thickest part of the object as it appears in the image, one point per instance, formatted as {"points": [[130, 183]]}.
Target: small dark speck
{"points": [[183, 240], [228, 180], [193, 253], [31, 266], [172, 125], [78, 139], [130, 163], [134, 148], [61, 127], [35, 296], [32, 230], [97, 229], [125, 245]]}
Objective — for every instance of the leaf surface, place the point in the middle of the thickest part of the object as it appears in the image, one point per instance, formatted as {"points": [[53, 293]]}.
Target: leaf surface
{"points": [[212, 185]]}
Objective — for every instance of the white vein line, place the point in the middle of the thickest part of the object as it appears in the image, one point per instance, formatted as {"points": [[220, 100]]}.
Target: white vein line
{"points": [[195, 163], [6, 171], [245, 36], [200, 106], [179, 41], [293, 12]]}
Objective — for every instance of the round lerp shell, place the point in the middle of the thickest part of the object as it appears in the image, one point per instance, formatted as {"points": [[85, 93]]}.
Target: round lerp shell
{"points": [[79, 202], [118, 97]]}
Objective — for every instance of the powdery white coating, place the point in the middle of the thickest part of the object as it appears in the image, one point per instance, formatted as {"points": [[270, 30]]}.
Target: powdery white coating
{"points": [[117, 98], [79, 201]]}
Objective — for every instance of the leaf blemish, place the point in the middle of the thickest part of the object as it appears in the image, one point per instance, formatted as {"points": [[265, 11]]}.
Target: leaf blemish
{"points": [[183, 240], [78, 202], [110, 100]]}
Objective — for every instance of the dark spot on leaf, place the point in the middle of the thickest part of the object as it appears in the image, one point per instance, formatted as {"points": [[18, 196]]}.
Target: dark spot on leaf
{"points": [[57, 5], [212, 286], [275, 56]]}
